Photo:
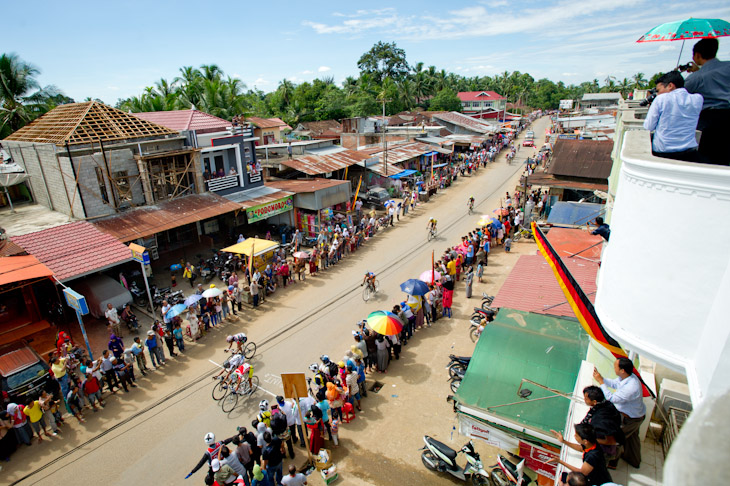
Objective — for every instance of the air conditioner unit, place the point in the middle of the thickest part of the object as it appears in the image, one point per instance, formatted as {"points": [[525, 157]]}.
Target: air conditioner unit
{"points": [[673, 394]]}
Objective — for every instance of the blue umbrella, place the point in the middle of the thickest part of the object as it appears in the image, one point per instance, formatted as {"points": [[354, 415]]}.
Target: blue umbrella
{"points": [[414, 287], [192, 299], [176, 310]]}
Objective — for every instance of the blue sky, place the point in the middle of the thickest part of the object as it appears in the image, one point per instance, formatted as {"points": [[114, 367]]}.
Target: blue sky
{"points": [[110, 50]]}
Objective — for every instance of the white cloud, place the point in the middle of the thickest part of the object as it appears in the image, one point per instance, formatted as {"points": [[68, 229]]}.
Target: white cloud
{"points": [[307, 72], [324, 69], [113, 88], [667, 47], [261, 82], [570, 74], [236, 76]]}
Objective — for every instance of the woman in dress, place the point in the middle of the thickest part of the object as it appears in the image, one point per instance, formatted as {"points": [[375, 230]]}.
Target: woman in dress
{"points": [[469, 279], [382, 353], [313, 421], [448, 297]]}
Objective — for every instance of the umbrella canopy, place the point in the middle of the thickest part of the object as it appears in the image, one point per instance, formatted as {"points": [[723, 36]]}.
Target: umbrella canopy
{"points": [[687, 29], [192, 299], [414, 287], [501, 212], [252, 244], [300, 254], [385, 323], [388, 202], [426, 276], [176, 310], [212, 292]]}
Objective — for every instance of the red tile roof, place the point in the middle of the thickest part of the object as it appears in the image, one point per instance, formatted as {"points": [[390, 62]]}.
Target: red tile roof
{"points": [[75, 249], [531, 286], [479, 96], [180, 120], [568, 241]]}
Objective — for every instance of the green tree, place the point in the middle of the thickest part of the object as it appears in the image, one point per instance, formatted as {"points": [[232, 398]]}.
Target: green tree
{"points": [[384, 59], [445, 100], [22, 100], [639, 80]]}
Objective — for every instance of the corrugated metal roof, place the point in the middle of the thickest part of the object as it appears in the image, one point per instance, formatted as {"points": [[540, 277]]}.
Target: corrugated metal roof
{"points": [[268, 122], [479, 96], [75, 249], [401, 152], [181, 120], [18, 268], [531, 286], [602, 96], [464, 121], [589, 159], [568, 241], [149, 220], [305, 185], [267, 198], [548, 180], [378, 168], [470, 139], [322, 164]]}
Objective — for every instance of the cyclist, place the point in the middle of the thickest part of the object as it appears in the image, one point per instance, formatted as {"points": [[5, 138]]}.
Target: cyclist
{"points": [[431, 225], [230, 366], [244, 370], [240, 339], [370, 279], [471, 203]]}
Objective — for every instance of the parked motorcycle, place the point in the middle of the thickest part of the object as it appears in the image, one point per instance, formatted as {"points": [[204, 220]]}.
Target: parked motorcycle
{"points": [[139, 296], [506, 473], [487, 300], [437, 456], [482, 313]]}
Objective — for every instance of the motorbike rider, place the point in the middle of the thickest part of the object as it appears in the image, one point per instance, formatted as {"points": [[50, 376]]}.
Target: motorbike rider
{"points": [[211, 452], [320, 380], [130, 317]]}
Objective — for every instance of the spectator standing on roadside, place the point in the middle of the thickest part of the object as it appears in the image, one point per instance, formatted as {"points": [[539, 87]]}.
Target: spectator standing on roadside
{"points": [[138, 352], [113, 319], [107, 369]]}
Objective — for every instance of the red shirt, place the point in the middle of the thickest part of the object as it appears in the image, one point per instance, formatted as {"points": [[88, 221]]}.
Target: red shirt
{"points": [[91, 385]]}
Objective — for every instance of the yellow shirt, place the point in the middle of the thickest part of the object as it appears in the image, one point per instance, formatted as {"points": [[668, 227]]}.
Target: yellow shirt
{"points": [[451, 267], [59, 368], [34, 411]]}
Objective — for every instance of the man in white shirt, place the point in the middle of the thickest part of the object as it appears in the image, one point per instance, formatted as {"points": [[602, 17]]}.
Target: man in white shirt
{"points": [[673, 117], [113, 318], [391, 213], [288, 410], [629, 401]]}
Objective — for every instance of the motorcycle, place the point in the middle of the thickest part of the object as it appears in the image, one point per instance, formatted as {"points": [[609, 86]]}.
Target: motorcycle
{"points": [[482, 313], [139, 296], [437, 456], [486, 300], [506, 473]]}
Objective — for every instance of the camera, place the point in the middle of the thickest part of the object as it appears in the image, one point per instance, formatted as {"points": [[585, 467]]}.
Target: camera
{"points": [[649, 98], [684, 67]]}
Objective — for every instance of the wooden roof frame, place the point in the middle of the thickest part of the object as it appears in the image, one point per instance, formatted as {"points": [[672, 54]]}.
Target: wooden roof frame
{"points": [[86, 123]]}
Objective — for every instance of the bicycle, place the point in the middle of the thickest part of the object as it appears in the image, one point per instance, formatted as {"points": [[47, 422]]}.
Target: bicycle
{"points": [[220, 389], [370, 290], [471, 209], [241, 388], [431, 234], [249, 350]]}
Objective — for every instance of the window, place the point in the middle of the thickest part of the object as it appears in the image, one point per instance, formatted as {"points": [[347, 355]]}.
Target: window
{"points": [[123, 185], [102, 185]]}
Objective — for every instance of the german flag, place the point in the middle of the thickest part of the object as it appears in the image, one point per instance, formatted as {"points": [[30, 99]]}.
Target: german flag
{"points": [[579, 302]]}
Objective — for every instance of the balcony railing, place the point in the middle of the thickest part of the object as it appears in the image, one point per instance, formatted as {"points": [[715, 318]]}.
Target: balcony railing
{"points": [[221, 183], [664, 284]]}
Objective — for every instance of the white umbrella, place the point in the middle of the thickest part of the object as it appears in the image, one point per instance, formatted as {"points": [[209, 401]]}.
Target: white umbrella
{"points": [[212, 292]]}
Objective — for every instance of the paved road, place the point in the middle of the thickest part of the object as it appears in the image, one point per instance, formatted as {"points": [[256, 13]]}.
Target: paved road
{"points": [[156, 431]]}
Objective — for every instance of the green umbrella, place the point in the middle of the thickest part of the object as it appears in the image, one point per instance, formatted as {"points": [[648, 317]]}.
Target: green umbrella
{"points": [[687, 29]]}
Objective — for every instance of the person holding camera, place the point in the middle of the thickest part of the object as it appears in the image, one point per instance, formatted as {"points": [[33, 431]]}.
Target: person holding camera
{"points": [[712, 81], [673, 117]]}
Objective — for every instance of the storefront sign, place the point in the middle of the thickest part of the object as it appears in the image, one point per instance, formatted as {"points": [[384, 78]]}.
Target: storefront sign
{"points": [[264, 211], [76, 301], [139, 253], [490, 435], [536, 458]]}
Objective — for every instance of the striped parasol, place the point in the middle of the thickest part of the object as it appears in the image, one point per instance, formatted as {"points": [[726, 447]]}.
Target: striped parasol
{"points": [[385, 323]]}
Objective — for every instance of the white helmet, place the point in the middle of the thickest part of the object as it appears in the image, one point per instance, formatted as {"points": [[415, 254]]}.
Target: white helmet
{"points": [[229, 339], [209, 438], [264, 405], [314, 367]]}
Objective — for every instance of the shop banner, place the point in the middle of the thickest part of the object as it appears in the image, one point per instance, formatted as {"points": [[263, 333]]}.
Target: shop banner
{"points": [[536, 458], [264, 211]]}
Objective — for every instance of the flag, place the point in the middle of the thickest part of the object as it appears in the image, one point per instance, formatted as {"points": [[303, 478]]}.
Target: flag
{"points": [[356, 193], [579, 302], [250, 260], [433, 270]]}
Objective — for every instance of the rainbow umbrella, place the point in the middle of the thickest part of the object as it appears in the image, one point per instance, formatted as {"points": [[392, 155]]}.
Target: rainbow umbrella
{"points": [[385, 323]]}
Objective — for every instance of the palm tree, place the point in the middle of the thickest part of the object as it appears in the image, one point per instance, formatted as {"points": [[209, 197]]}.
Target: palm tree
{"points": [[349, 85], [609, 79], [286, 88], [405, 94], [21, 98], [421, 86], [211, 72], [624, 87], [639, 80], [163, 88]]}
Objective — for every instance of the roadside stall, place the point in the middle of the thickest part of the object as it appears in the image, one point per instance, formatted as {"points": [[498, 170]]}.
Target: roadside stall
{"points": [[262, 250], [519, 384]]}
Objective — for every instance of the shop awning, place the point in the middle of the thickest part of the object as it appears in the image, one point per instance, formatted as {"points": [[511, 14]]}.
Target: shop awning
{"points": [[148, 220], [18, 268], [574, 213], [405, 173], [438, 166], [75, 249], [256, 245], [521, 345]]}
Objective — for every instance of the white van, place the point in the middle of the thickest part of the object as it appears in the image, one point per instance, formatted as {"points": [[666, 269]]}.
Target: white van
{"points": [[101, 290]]}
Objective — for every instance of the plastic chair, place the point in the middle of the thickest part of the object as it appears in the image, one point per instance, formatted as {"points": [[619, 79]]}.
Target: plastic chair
{"points": [[348, 413]]}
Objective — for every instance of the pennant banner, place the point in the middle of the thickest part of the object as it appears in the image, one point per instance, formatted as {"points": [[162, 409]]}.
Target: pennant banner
{"points": [[579, 302]]}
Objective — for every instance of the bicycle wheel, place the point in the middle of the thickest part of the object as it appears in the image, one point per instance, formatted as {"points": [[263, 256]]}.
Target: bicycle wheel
{"points": [[474, 334], [517, 236], [455, 385], [249, 350], [429, 235], [254, 385], [366, 293], [377, 286], [219, 391], [230, 401]]}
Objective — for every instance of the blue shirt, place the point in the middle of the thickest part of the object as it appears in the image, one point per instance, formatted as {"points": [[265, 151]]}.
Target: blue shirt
{"points": [[628, 397], [486, 246], [324, 405], [712, 81], [673, 118]]}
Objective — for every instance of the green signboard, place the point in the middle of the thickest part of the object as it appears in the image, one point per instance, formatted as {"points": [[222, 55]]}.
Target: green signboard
{"points": [[264, 211]]}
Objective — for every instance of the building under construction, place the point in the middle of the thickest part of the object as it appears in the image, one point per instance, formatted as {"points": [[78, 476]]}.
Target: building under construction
{"points": [[89, 160]]}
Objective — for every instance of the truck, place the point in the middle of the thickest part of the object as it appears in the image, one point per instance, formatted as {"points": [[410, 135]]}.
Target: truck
{"points": [[23, 374], [375, 198]]}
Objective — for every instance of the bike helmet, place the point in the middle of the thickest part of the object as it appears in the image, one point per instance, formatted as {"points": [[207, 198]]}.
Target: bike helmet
{"points": [[229, 339], [209, 438], [314, 367], [325, 359], [263, 405]]}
